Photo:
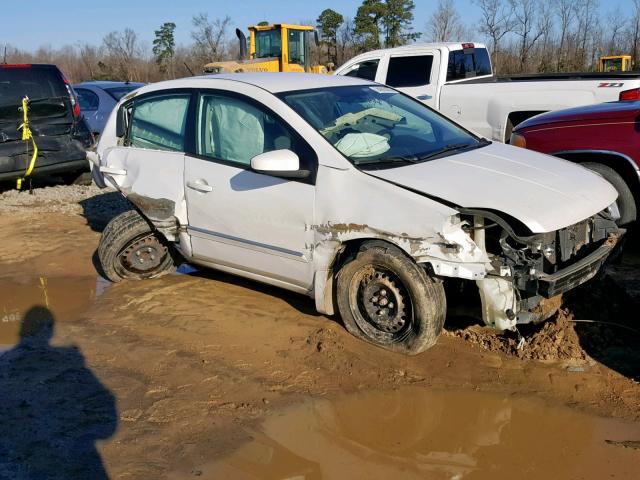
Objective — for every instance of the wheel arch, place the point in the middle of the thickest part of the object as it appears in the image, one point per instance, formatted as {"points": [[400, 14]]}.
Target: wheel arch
{"points": [[335, 257]]}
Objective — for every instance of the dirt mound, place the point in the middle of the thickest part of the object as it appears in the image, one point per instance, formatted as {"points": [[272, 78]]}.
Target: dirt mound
{"points": [[554, 340]]}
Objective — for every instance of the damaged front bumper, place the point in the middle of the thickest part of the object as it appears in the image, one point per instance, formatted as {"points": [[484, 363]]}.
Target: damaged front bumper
{"points": [[520, 277], [550, 285]]}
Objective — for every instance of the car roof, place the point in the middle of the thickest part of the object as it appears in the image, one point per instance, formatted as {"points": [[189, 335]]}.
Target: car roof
{"points": [[272, 82], [107, 84]]}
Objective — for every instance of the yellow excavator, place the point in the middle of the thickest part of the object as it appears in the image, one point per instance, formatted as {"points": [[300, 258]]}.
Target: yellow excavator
{"points": [[615, 63], [279, 47]]}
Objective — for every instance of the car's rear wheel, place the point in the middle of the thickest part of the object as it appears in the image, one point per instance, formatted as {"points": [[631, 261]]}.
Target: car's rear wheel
{"points": [[385, 298], [130, 248], [625, 202]]}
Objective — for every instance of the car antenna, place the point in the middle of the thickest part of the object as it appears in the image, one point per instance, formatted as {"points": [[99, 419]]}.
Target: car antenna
{"points": [[187, 67], [4, 58]]}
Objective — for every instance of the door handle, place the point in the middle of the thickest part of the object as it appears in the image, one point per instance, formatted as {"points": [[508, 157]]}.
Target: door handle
{"points": [[200, 186], [112, 170], [424, 97]]}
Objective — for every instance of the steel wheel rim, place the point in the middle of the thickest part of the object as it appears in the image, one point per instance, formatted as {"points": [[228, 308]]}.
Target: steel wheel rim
{"points": [[380, 304], [143, 255]]}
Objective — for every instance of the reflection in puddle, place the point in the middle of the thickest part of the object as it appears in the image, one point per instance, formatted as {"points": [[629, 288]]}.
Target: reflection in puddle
{"points": [[64, 296], [416, 433]]}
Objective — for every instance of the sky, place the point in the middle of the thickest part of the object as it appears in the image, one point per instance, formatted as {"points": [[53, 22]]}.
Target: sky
{"points": [[29, 25]]}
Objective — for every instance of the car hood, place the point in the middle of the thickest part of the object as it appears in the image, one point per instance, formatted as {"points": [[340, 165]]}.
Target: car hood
{"points": [[587, 113], [543, 192]]}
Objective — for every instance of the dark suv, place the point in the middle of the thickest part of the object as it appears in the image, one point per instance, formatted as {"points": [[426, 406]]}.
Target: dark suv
{"points": [[54, 118]]}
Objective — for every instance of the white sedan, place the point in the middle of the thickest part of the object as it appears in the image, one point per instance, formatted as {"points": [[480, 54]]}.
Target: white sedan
{"points": [[350, 192]]}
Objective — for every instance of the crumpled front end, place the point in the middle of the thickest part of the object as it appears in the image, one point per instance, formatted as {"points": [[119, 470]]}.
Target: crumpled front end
{"points": [[529, 272]]}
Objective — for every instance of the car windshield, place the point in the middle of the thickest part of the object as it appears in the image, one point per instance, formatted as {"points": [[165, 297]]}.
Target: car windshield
{"points": [[119, 92], [378, 127]]}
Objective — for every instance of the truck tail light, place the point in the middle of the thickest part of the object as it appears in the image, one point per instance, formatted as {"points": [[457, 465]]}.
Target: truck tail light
{"points": [[72, 97], [518, 140], [633, 94]]}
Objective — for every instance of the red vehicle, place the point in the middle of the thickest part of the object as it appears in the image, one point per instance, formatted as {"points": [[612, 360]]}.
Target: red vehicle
{"points": [[604, 138]]}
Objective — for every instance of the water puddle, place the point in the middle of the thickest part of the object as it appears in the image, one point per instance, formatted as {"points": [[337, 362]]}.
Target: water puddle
{"points": [[65, 297], [418, 433]]}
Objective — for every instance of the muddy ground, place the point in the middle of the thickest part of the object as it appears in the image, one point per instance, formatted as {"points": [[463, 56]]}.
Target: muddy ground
{"points": [[159, 378]]}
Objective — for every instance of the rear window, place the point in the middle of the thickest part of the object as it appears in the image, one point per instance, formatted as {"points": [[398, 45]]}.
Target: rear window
{"points": [[88, 100], [119, 92], [409, 71], [473, 62], [35, 82]]}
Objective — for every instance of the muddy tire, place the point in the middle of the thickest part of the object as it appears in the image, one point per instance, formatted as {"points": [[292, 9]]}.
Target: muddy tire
{"points": [[129, 248], [626, 203], [387, 299]]}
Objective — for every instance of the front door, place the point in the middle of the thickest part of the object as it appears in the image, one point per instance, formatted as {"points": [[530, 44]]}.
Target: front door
{"points": [[250, 223]]}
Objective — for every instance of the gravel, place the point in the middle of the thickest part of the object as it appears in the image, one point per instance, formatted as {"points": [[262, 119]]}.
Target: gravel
{"points": [[97, 205]]}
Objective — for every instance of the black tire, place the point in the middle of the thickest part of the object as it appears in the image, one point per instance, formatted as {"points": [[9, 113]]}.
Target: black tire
{"points": [[131, 249], [626, 203], [77, 178], [413, 314]]}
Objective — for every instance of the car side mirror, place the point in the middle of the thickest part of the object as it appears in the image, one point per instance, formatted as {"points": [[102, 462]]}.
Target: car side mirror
{"points": [[121, 125], [279, 163]]}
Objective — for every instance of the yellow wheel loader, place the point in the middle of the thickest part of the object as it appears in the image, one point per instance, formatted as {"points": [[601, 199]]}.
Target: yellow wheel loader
{"points": [[615, 63], [272, 48]]}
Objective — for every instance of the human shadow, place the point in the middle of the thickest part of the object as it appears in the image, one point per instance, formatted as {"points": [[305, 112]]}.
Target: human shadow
{"points": [[52, 408]]}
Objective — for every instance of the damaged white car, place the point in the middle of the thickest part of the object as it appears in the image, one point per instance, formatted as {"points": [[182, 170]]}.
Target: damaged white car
{"points": [[350, 192]]}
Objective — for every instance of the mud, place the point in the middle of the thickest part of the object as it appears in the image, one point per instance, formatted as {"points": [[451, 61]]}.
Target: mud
{"points": [[413, 434], [168, 377]]}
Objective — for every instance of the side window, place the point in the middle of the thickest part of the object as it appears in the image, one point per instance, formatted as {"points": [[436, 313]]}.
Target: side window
{"points": [[410, 71], [365, 70], [235, 131], [468, 64], [87, 99], [159, 122]]}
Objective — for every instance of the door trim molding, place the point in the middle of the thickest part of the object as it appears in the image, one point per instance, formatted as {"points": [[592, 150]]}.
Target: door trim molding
{"points": [[245, 243]]}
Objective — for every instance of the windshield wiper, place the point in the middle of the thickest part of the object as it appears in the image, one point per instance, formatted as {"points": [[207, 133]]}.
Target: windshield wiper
{"points": [[385, 160], [452, 148]]}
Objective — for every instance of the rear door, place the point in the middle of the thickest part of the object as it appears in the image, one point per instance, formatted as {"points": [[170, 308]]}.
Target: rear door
{"points": [[149, 165]]}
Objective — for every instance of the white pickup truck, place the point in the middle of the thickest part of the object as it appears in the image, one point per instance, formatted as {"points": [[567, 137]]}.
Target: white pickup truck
{"points": [[457, 79]]}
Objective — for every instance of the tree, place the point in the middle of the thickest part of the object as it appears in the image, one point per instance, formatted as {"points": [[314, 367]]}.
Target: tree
{"points": [[209, 37], [396, 19], [497, 21], [329, 22], [164, 47], [444, 24], [123, 48], [368, 24], [524, 12], [564, 12]]}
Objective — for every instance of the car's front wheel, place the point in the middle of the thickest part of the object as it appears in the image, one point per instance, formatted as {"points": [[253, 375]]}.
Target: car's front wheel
{"points": [[625, 202], [130, 248], [387, 299]]}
